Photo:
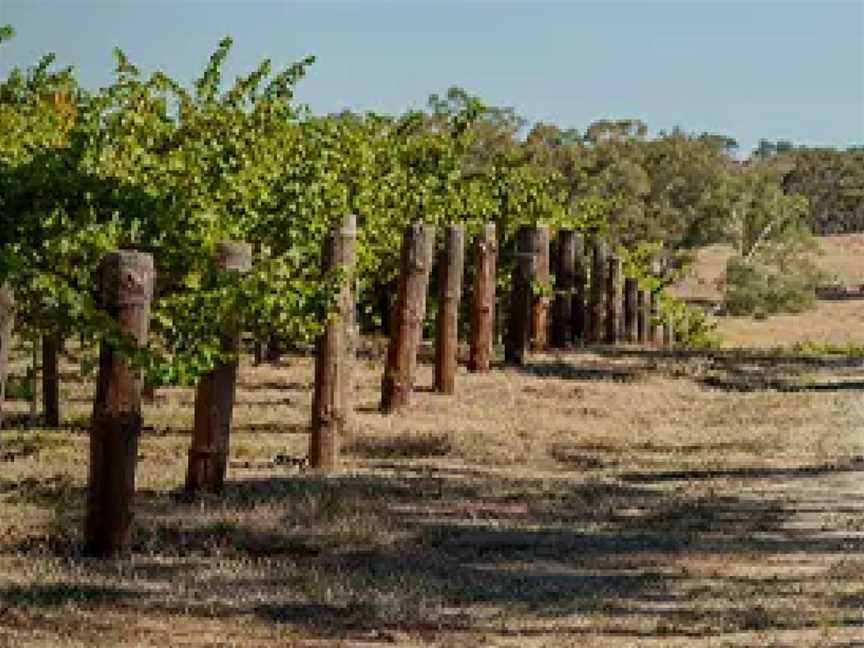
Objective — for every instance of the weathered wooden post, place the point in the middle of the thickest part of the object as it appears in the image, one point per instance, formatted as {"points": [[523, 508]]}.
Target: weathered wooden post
{"points": [[214, 397], [668, 333], [33, 380], [51, 379], [7, 322], [656, 325], [580, 280], [331, 400], [540, 279], [613, 299], [450, 272], [126, 279], [273, 350], [597, 305], [563, 309], [643, 307], [407, 321], [483, 299], [521, 299], [352, 337], [631, 306]]}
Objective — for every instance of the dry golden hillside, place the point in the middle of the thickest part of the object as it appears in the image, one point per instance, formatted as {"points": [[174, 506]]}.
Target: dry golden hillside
{"points": [[841, 258]]}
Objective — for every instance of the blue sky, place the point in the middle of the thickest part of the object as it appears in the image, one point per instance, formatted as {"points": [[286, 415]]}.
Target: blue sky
{"points": [[771, 69]]}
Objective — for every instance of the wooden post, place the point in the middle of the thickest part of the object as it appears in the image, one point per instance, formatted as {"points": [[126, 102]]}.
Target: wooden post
{"points": [[7, 321], [126, 279], [668, 333], [331, 399], [522, 298], [385, 303], [656, 326], [447, 323], [351, 330], [580, 282], [148, 392], [408, 313], [613, 300], [483, 299], [631, 306], [539, 299], [273, 350], [643, 307], [214, 397], [598, 293], [563, 309], [51, 380], [257, 352], [33, 380]]}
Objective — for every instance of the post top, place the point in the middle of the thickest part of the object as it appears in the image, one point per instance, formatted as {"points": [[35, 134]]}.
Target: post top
{"points": [[234, 255], [127, 278], [7, 297], [349, 222], [128, 258]]}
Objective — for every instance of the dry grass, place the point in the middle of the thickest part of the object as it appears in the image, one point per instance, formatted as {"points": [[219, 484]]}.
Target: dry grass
{"points": [[838, 257], [832, 322], [591, 499]]}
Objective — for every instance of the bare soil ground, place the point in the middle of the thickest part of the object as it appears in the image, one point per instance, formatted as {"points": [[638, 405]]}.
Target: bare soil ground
{"points": [[598, 498]]}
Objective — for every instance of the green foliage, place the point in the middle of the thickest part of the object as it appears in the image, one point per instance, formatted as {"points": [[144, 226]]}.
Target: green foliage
{"points": [[694, 329], [850, 349], [773, 270], [832, 182], [150, 164], [761, 291], [147, 164]]}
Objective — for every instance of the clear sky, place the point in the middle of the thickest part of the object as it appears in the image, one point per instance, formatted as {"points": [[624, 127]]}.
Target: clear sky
{"points": [[770, 69]]}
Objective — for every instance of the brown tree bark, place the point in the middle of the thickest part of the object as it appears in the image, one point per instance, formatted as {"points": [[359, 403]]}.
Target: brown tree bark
{"points": [[539, 298], [483, 299], [614, 300], [643, 308], [522, 298], [408, 314], [126, 292], [331, 400], [7, 322], [597, 307], [631, 305], [214, 397], [563, 308], [450, 272], [51, 380]]}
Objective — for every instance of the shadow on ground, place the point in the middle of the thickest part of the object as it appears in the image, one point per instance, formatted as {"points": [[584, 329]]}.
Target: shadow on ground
{"points": [[422, 550], [435, 547]]}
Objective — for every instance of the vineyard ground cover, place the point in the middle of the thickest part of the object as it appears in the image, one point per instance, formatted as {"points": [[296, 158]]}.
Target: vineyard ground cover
{"points": [[591, 499]]}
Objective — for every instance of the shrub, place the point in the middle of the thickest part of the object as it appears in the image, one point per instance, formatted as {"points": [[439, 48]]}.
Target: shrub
{"points": [[761, 291], [694, 329]]}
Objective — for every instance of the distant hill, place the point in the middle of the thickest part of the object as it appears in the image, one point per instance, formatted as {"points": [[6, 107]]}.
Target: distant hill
{"points": [[841, 258]]}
